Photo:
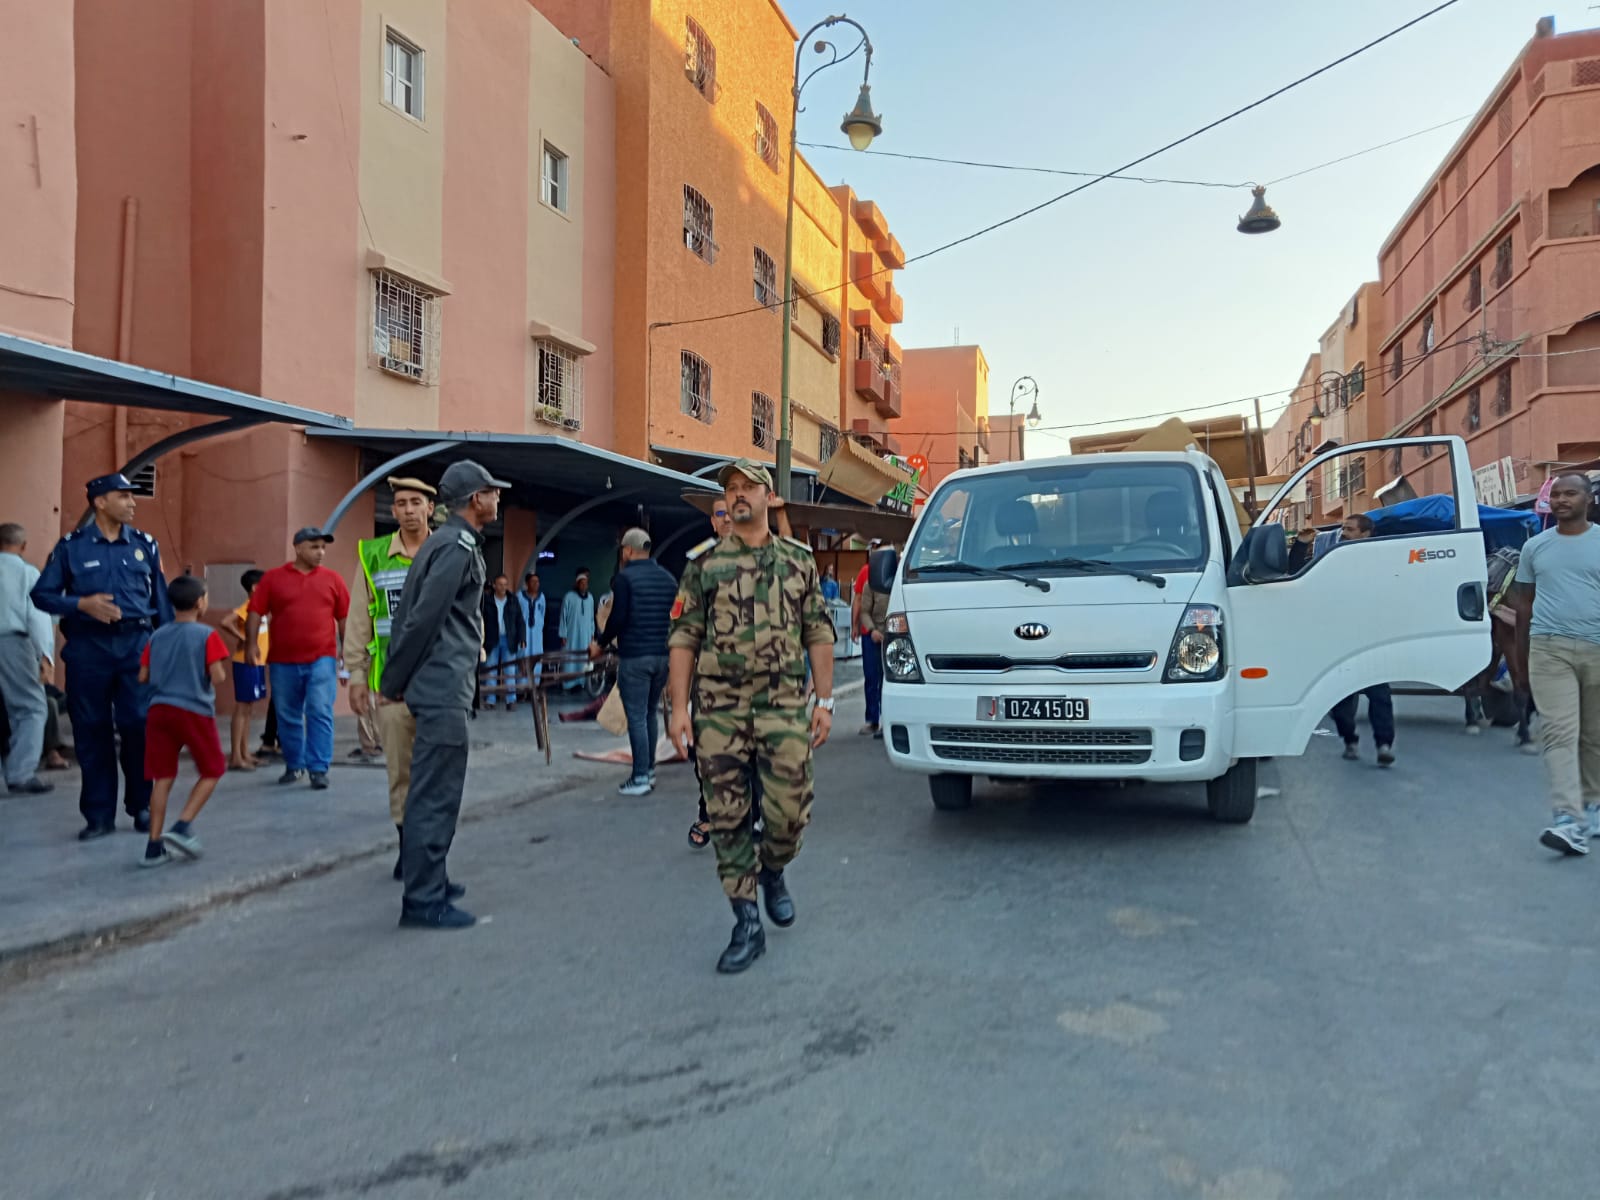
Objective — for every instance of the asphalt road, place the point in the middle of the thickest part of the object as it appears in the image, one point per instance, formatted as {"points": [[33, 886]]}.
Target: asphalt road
{"points": [[1382, 987]]}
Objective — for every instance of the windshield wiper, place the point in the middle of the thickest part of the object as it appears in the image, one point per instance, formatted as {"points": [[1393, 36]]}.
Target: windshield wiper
{"points": [[962, 568], [1089, 564]]}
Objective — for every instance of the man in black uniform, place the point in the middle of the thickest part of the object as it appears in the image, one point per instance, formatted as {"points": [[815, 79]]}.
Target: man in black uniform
{"points": [[104, 581], [433, 667]]}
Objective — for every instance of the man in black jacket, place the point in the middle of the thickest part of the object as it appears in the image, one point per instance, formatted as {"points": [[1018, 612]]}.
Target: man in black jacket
{"points": [[504, 632], [433, 659], [642, 595]]}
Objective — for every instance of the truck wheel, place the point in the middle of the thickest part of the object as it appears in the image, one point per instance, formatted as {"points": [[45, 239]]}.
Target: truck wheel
{"points": [[1232, 797], [950, 792]]}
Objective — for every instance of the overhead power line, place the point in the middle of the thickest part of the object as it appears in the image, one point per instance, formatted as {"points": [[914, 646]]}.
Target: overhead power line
{"points": [[1089, 183], [1156, 179]]}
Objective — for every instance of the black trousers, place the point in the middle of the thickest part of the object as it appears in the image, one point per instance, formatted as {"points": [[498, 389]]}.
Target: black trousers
{"points": [[107, 704], [438, 778]]}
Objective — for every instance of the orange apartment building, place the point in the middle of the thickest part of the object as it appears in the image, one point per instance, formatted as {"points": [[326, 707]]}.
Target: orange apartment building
{"points": [[1491, 280], [1330, 406], [404, 240], [946, 410], [702, 152]]}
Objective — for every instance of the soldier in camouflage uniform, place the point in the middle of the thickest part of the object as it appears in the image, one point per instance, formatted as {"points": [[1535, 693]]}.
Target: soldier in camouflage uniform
{"points": [[749, 611]]}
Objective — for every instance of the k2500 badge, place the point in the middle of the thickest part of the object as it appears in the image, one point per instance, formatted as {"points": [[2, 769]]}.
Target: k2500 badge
{"points": [[1424, 556]]}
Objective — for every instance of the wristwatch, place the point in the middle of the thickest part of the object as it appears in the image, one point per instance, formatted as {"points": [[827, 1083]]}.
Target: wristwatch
{"points": [[825, 703]]}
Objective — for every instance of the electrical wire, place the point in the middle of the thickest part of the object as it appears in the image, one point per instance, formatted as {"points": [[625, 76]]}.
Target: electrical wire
{"points": [[1155, 179], [1128, 166]]}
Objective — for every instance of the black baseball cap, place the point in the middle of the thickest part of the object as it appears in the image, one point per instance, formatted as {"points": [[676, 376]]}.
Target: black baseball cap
{"points": [[311, 534]]}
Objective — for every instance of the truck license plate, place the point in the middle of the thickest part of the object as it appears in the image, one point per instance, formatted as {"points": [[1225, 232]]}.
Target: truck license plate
{"points": [[1043, 708]]}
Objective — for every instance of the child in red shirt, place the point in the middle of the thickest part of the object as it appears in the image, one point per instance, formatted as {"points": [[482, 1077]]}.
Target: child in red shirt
{"points": [[184, 663]]}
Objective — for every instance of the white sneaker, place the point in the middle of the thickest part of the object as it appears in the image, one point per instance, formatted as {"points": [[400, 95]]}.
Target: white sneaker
{"points": [[1565, 836], [636, 787]]}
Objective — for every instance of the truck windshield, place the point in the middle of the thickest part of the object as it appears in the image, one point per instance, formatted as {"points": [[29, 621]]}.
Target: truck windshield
{"points": [[1139, 516]]}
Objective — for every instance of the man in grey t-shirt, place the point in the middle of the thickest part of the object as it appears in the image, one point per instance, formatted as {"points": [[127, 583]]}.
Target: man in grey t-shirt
{"points": [[1557, 600]]}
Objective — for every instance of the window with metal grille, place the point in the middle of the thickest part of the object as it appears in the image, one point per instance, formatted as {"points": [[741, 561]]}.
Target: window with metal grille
{"points": [[761, 421], [405, 327], [699, 225], [553, 179], [1474, 415], [869, 346], [559, 398], [766, 139], [1427, 431], [1475, 288], [766, 275], [1355, 382], [1425, 342], [1502, 262], [827, 442], [694, 388], [830, 334], [1356, 476], [1398, 367], [402, 74], [1502, 393], [699, 59]]}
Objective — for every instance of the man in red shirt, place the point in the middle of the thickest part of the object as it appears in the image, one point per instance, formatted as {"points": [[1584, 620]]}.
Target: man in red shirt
{"points": [[308, 605]]}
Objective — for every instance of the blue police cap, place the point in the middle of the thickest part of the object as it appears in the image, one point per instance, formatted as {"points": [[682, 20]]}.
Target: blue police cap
{"points": [[114, 482]]}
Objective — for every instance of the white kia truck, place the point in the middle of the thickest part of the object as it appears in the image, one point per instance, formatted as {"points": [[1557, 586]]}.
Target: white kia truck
{"points": [[1104, 617]]}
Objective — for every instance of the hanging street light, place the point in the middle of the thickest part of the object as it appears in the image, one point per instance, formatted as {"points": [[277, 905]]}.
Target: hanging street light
{"points": [[1260, 218], [1032, 418], [861, 124]]}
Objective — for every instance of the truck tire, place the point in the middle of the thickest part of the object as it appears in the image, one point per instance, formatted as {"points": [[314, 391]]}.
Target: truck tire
{"points": [[1231, 797], [1501, 708], [950, 793]]}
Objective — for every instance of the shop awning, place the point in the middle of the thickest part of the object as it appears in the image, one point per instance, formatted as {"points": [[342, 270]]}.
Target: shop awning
{"points": [[545, 471], [39, 369]]}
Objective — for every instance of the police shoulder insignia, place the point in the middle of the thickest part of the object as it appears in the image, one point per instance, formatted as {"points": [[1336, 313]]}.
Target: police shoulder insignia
{"points": [[467, 540], [701, 549]]}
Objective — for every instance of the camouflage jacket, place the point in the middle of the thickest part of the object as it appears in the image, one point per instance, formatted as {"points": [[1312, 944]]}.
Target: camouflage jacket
{"points": [[750, 615]]}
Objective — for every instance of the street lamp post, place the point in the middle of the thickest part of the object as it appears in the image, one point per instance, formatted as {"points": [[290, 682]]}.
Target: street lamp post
{"points": [[860, 125], [1032, 418]]}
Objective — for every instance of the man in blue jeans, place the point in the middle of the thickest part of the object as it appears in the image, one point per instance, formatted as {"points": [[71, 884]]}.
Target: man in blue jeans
{"points": [[642, 595], [869, 617], [307, 604]]}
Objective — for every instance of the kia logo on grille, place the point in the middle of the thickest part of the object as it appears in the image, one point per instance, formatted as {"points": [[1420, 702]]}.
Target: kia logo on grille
{"points": [[1032, 631]]}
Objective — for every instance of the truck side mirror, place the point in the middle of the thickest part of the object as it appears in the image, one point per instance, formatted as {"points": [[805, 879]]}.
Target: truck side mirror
{"points": [[882, 566], [1263, 556]]}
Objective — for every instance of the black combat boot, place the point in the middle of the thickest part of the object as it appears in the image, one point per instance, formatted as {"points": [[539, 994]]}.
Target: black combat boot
{"points": [[780, 907], [400, 854], [749, 941]]}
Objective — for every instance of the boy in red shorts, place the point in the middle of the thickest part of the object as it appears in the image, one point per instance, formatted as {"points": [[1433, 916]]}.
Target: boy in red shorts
{"points": [[184, 665]]}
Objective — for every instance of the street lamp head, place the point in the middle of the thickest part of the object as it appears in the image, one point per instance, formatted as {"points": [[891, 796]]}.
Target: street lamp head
{"points": [[1033, 416], [1260, 218], [1316, 414], [861, 124]]}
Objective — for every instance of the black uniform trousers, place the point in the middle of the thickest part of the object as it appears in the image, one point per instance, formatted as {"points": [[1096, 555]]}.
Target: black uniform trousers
{"points": [[106, 702], [438, 777]]}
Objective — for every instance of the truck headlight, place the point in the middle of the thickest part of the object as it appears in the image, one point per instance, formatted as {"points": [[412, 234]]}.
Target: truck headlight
{"points": [[1197, 651], [899, 654]]}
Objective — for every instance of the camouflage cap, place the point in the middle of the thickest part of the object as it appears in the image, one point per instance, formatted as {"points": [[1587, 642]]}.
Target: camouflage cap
{"points": [[750, 469]]}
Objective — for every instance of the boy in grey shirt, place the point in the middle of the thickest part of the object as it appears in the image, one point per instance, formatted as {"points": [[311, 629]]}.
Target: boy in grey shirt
{"points": [[1557, 600]]}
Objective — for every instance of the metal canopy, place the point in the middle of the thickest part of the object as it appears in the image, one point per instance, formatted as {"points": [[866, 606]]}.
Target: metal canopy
{"points": [[39, 369], [700, 463], [842, 518], [533, 463]]}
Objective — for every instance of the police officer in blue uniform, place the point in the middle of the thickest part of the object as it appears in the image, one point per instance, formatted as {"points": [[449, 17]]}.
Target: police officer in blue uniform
{"points": [[105, 583]]}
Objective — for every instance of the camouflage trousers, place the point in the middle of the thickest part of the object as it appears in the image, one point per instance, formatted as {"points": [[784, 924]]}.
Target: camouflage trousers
{"points": [[769, 748]]}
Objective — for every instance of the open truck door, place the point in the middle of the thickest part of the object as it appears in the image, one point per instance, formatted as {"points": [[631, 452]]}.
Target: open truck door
{"points": [[1409, 607]]}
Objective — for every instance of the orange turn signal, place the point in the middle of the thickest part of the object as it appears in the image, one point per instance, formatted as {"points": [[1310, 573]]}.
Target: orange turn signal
{"points": [[1254, 673]]}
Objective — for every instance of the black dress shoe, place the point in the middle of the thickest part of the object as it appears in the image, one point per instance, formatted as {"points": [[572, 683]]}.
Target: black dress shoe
{"points": [[319, 781], [441, 916], [33, 787], [749, 941], [141, 822], [91, 833], [780, 907]]}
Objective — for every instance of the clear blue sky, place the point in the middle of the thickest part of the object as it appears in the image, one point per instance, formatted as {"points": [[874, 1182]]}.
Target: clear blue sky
{"points": [[1132, 298]]}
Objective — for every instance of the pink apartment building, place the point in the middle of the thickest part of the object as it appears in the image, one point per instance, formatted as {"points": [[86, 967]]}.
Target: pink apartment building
{"points": [[1491, 281], [394, 222]]}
